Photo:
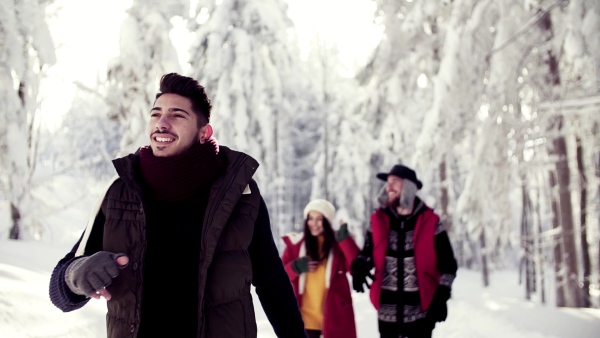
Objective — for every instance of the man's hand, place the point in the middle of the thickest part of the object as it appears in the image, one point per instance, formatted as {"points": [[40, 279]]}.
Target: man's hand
{"points": [[438, 310], [360, 272], [88, 276]]}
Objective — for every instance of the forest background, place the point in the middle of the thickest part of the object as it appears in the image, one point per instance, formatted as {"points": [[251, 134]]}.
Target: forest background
{"points": [[496, 104]]}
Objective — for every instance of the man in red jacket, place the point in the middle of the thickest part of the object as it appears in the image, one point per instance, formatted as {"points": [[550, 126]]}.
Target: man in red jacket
{"points": [[413, 259]]}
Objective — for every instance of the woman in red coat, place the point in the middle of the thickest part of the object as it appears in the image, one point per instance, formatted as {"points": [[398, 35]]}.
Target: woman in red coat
{"points": [[317, 262]]}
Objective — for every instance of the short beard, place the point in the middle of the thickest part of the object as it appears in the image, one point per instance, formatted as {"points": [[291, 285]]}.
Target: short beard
{"points": [[406, 199], [393, 202]]}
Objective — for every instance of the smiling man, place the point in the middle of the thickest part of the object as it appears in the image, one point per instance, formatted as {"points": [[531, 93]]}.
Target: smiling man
{"points": [[414, 263], [180, 235]]}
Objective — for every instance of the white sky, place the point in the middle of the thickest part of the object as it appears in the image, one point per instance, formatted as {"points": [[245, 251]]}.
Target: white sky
{"points": [[86, 36], [346, 23], [499, 311]]}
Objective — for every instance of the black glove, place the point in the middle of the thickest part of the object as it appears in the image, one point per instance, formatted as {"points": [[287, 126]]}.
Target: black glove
{"points": [[86, 275], [360, 271], [342, 233], [438, 310], [300, 265]]}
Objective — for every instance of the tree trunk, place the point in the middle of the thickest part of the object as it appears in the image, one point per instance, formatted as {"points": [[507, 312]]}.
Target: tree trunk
{"points": [[444, 199], [540, 253], [327, 106], [585, 251], [558, 150], [15, 231], [557, 243], [484, 253], [597, 171], [527, 241], [572, 291]]}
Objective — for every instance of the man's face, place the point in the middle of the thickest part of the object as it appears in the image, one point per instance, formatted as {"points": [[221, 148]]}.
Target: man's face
{"points": [[173, 126], [315, 223], [394, 190]]}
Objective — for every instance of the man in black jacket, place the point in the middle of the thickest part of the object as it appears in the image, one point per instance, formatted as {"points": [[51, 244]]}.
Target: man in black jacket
{"points": [[180, 235]]}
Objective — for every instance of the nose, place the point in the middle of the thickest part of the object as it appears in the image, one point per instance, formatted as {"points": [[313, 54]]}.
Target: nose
{"points": [[162, 123]]}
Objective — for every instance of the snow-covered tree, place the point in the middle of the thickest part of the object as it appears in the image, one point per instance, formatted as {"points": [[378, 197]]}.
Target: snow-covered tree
{"points": [[146, 53], [26, 51], [494, 103], [580, 71], [245, 55], [481, 135], [394, 93], [444, 148]]}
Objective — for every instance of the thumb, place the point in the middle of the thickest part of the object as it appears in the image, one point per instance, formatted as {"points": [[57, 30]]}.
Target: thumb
{"points": [[122, 260]]}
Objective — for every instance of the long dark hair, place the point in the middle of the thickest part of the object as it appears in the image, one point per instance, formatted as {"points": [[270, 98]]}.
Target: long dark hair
{"points": [[312, 244]]}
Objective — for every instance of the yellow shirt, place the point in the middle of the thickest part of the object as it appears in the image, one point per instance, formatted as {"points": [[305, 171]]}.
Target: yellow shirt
{"points": [[313, 298]]}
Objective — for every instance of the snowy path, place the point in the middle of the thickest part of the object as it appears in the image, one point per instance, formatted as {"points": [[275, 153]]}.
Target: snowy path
{"points": [[475, 312]]}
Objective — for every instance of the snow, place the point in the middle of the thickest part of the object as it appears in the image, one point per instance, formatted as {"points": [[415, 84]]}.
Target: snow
{"points": [[386, 119], [474, 311]]}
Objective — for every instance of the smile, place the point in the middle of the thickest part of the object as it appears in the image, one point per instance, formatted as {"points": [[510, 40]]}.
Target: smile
{"points": [[163, 139]]}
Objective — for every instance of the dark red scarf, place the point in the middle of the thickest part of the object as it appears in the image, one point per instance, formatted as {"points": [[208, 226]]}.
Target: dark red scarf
{"points": [[180, 177]]}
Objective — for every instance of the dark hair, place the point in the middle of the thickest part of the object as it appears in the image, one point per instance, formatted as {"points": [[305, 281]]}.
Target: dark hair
{"points": [[174, 83], [312, 244]]}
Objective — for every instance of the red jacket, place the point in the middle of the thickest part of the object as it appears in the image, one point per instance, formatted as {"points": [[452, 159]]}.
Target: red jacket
{"points": [[428, 275], [338, 317]]}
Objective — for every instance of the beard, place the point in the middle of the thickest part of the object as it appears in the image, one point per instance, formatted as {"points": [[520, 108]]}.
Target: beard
{"points": [[404, 201], [393, 202], [406, 198]]}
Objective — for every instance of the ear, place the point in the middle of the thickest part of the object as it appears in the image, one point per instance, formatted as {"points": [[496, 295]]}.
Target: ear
{"points": [[205, 133]]}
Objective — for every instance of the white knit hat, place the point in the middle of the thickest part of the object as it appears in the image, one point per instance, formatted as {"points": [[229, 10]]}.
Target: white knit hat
{"points": [[322, 206]]}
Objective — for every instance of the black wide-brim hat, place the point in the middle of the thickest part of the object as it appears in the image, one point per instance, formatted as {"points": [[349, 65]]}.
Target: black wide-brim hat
{"points": [[402, 172]]}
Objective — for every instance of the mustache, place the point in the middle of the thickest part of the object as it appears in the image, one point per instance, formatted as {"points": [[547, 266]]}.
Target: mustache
{"points": [[163, 132]]}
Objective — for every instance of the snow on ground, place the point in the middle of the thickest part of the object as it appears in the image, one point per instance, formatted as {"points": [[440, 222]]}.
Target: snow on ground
{"points": [[474, 312]]}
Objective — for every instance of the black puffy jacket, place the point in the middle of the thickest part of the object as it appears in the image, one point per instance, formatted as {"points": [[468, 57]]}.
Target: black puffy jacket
{"points": [[234, 234]]}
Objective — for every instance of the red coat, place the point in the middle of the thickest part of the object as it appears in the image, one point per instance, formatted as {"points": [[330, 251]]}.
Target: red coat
{"points": [[338, 317], [428, 275]]}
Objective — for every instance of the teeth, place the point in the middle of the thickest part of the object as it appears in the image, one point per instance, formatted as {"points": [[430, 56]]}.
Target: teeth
{"points": [[164, 139]]}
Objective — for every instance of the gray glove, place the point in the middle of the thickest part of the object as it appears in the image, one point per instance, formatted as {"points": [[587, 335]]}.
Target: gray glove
{"points": [[86, 275]]}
